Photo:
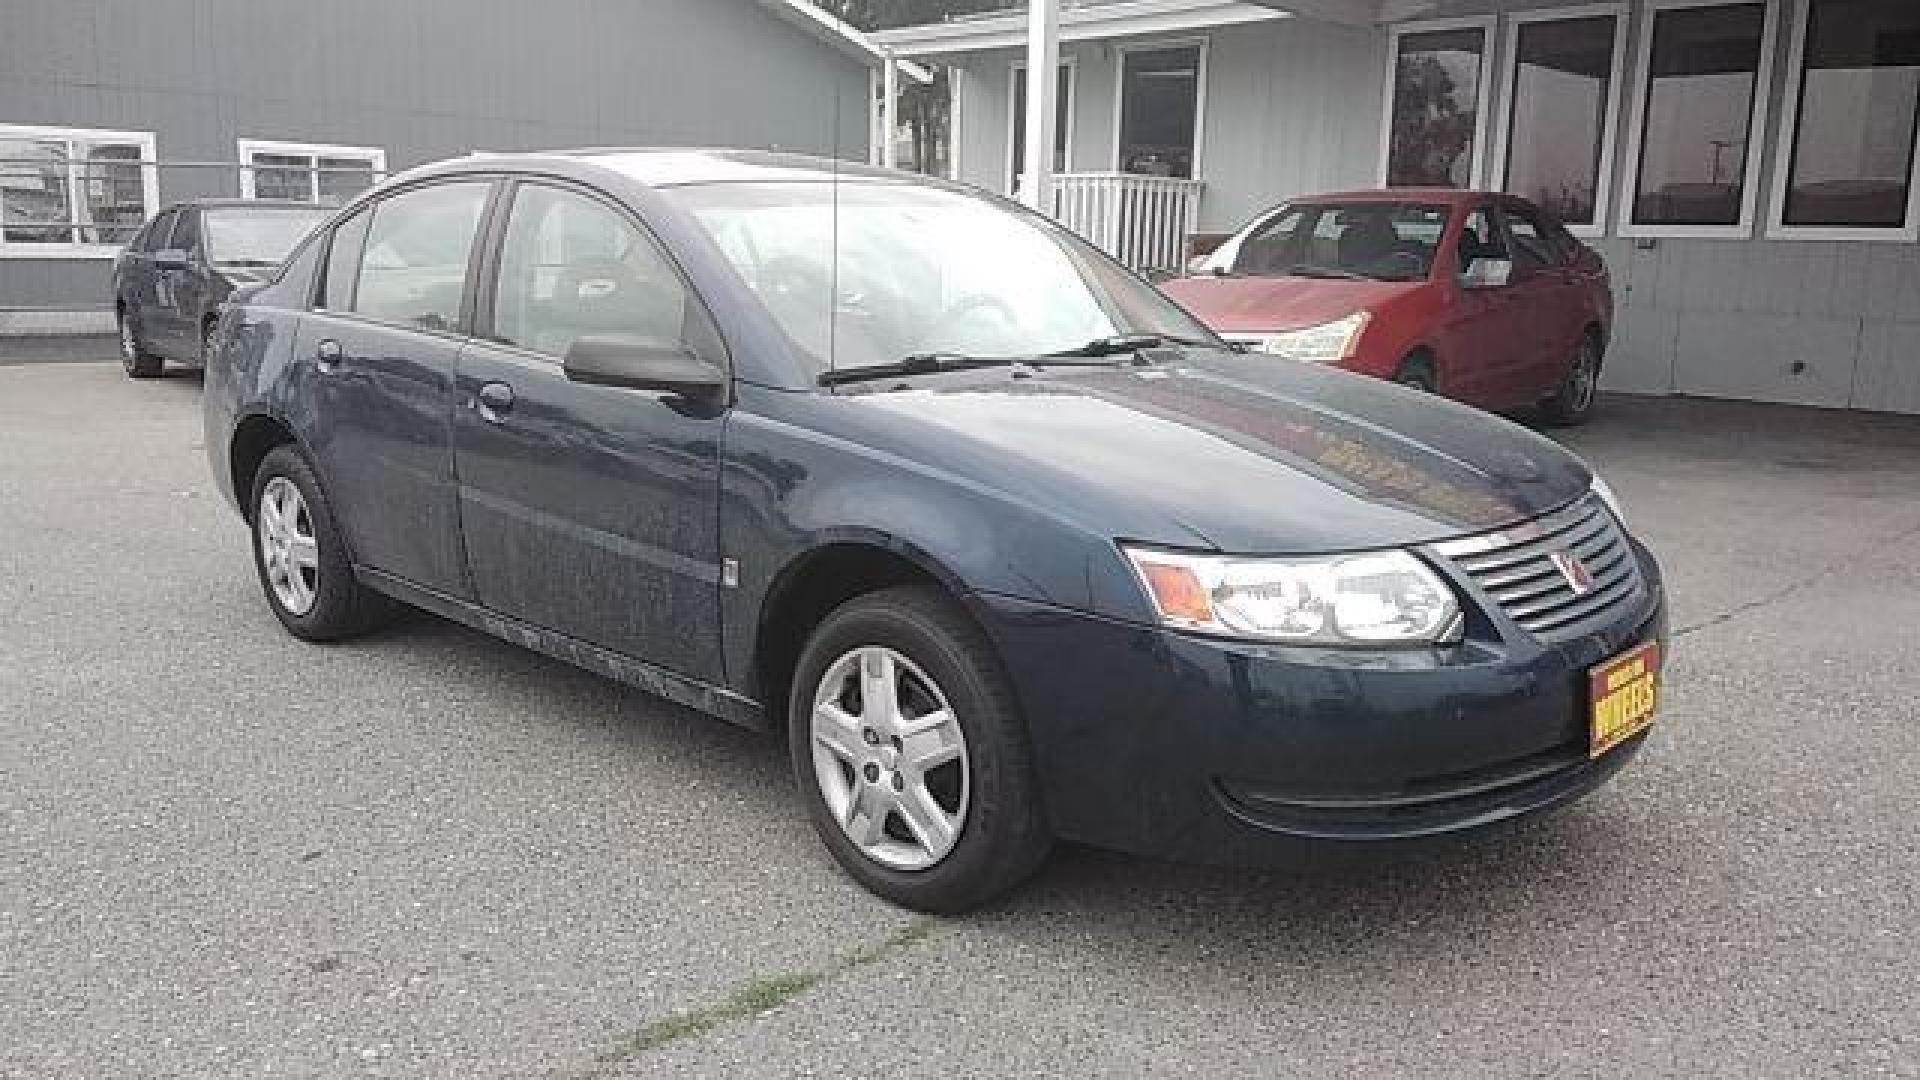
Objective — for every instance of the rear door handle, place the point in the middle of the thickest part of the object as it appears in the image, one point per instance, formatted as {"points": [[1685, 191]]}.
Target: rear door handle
{"points": [[494, 402], [327, 355]]}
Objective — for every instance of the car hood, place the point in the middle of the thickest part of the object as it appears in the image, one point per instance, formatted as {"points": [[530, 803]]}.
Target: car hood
{"points": [[1240, 453], [1259, 305]]}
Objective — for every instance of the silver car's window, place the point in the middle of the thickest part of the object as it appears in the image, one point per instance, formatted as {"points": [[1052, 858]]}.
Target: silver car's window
{"points": [[413, 268], [572, 266]]}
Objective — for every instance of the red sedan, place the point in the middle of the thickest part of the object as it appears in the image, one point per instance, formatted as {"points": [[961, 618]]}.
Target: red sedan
{"points": [[1479, 296]]}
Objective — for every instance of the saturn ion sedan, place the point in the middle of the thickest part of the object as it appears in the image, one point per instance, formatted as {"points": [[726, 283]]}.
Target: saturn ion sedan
{"points": [[1007, 545]]}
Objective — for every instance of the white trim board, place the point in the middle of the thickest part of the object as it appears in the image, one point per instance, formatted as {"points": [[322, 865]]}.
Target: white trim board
{"points": [[1099, 22], [1063, 136], [1201, 43], [1610, 122], [247, 148], [1483, 98], [149, 186], [1756, 125], [1783, 153]]}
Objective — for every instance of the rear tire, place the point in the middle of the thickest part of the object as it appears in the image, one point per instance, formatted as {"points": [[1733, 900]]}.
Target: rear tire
{"points": [[857, 759], [1574, 402], [300, 557], [134, 357]]}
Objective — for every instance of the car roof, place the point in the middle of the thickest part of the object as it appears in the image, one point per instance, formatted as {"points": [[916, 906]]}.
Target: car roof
{"points": [[679, 166], [1445, 196]]}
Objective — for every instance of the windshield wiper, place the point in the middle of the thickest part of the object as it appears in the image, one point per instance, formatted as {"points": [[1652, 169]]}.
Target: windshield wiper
{"points": [[1330, 272], [1120, 344], [915, 364]]}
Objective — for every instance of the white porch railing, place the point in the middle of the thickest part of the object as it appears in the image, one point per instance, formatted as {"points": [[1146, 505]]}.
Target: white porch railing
{"points": [[1144, 221]]}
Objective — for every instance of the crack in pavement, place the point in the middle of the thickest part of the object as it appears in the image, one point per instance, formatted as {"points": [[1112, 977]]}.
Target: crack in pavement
{"points": [[1795, 586], [754, 997]]}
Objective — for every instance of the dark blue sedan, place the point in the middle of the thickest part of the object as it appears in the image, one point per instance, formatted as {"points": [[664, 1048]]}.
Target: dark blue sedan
{"points": [[1009, 546]]}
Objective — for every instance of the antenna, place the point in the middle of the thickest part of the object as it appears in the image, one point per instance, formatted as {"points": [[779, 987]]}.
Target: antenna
{"points": [[833, 254]]}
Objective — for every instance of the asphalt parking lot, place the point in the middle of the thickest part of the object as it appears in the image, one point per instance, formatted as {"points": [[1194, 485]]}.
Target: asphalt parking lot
{"points": [[429, 854]]}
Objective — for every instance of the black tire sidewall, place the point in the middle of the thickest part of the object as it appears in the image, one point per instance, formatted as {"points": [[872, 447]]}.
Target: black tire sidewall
{"points": [[1560, 408], [1003, 836], [340, 602], [139, 363], [1418, 374]]}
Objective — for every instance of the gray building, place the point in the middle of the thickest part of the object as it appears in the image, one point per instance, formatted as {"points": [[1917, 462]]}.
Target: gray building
{"points": [[1747, 167], [111, 108]]}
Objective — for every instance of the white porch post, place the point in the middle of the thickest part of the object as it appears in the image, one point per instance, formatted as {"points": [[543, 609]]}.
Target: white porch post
{"points": [[890, 111], [1043, 86]]}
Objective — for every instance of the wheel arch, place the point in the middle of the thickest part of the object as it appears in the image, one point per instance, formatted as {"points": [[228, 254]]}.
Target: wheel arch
{"points": [[254, 437]]}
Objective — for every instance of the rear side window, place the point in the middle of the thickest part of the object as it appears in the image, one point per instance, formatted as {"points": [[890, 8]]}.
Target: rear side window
{"points": [[343, 262], [186, 231], [572, 266], [1533, 247], [413, 265]]}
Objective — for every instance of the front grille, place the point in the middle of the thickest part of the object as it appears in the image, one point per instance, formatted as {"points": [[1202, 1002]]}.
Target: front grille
{"points": [[1516, 568]]}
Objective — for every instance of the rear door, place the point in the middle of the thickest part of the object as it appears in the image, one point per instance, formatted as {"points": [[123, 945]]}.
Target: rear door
{"points": [[1550, 298], [589, 510], [381, 346]]}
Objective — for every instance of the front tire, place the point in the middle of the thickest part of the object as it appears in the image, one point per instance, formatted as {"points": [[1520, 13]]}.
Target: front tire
{"points": [[911, 756], [300, 557], [134, 357]]}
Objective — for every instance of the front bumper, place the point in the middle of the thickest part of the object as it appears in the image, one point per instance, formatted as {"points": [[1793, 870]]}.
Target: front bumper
{"points": [[1168, 744]]}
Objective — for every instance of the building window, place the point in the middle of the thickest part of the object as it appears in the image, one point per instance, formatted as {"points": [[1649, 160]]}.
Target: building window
{"points": [[1160, 110], [1562, 79], [1434, 104], [305, 172], [1062, 124], [1698, 112], [1848, 155], [66, 191]]}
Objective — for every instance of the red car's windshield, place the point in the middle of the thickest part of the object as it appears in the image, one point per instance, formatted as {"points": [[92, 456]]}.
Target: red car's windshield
{"points": [[1375, 241]]}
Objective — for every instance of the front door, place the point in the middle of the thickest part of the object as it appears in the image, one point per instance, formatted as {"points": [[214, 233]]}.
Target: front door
{"points": [[382, 350], [589, 510], [165, 327], [1480, 347]]}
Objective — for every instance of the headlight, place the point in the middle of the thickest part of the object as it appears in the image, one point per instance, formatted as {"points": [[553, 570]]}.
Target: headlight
{"points": [[1612, 500], [1382, 598], [1324, 344]]}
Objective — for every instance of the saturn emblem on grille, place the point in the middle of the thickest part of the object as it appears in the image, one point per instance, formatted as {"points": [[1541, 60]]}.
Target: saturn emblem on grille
{"points": [[1574, 571]]}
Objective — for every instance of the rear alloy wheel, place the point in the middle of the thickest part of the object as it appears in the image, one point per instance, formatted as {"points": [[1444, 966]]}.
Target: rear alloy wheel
{"points": [[910, 755], [302, 562], [1573, 403], [138, 362]]}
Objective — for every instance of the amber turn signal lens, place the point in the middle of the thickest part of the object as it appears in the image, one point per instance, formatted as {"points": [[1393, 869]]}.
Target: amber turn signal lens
{"points": [[1178, 593]]}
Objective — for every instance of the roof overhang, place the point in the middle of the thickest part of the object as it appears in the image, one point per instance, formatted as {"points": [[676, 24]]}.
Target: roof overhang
{"points": [[838, 34], [1094, 22]]}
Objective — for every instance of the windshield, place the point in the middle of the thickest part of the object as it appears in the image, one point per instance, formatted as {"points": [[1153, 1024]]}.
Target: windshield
{"points": [[258, 236], [921, 270], [1382, 241]]}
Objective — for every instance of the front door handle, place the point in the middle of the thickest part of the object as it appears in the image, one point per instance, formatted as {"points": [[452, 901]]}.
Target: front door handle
{"points": [[494, 402], [327, 355]]}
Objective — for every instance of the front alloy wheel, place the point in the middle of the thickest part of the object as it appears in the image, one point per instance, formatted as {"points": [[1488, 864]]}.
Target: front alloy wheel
{"points": [[890, 758]]}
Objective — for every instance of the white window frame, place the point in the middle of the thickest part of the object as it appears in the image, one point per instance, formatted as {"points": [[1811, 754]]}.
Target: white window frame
{"points": [[1072, 64], [956, 119], [1204, 44], [1483, 103], [149, 187], [1777, 227], [1610, 121], [1756, 130], [249, 147]]}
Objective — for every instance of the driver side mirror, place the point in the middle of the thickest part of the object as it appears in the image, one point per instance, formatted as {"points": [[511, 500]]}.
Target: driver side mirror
{"points": [[642, 363], [170, 259], [1487, 274]]}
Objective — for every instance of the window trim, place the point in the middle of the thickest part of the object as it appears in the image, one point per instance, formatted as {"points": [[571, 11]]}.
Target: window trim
{"points": [[1610, 126], [249, 147], [149, 187], [1784, 146], [1757, 132], [1201, 42], [1483, 105], [1072, 64]]}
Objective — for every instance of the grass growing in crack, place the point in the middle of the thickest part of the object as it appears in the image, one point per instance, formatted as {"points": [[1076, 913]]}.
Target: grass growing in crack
{"points": [[758, 996]]}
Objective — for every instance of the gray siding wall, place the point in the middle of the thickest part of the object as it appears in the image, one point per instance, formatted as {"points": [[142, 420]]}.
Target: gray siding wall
{"points": [[421, 79]]}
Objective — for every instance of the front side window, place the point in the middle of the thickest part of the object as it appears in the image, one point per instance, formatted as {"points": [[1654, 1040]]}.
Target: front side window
{"points": [[73, 188], [1382, 241], [1434, 136], [303, 172], [1160, 111], [1853, 131], [1697, 127], [572, 266], [413, 266], [870, 272], [1481, 242], [1560, 114]]}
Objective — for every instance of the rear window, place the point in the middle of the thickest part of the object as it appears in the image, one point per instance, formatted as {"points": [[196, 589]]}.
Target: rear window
{"points": [[1384, 241]]}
